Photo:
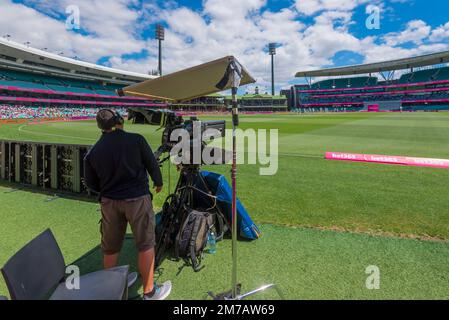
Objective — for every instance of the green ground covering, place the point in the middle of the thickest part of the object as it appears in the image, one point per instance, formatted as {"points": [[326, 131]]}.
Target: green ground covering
{"points": [[307, 191], [305, 263]]}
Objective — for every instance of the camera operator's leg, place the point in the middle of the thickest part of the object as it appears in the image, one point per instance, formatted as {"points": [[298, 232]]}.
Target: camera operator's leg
{"points": [[146, 269], [140, 215], [113, 229]]}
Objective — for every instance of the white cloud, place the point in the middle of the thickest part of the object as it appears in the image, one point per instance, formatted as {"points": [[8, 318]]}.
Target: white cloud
{"points": [[311, 7], [416, 31], [231, 9], [377, 53], [109, 27], [441, 33]]}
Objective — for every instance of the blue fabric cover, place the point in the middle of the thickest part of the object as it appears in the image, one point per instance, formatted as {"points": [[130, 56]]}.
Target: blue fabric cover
{"points": [[222, 190]]}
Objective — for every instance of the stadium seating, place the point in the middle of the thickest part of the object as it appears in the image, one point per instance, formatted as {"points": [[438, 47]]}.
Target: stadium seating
{"points": [[57, 88], [23, 84], [443, 74], [105, 92], [33, 78], [340, 93], [425, 76], [8, 112], [358, 82], [70, 89], [405, 78], [37, 81]]}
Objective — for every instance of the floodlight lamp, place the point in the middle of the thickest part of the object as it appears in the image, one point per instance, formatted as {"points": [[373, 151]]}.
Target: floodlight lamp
{"points": [[272, 49], [160, 32]]}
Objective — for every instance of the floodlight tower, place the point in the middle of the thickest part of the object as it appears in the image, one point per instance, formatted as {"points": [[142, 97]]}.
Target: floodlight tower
{"points": [[272, 52], [160, 36]]}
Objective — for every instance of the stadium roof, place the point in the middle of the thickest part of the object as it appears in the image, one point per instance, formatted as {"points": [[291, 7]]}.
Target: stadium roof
{"points": [[14, 55], [400, 64]]}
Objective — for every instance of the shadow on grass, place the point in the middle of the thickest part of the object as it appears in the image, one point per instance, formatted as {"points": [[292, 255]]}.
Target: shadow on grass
{"points": [[93, 261], [52, 194]]}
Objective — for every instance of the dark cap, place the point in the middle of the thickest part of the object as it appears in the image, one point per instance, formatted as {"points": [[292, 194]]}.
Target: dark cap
{"points": [[106, 119]]}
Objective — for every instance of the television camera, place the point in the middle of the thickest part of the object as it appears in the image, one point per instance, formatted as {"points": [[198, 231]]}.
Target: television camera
{"points": [[192, 191], [170, 121]]}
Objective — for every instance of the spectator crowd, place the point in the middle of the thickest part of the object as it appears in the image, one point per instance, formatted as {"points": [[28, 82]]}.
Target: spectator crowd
{"points": [[9, 112]]}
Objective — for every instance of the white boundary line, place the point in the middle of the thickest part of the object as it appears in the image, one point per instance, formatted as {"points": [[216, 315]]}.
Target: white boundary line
{"points": [[21, 129], [52, 134]]}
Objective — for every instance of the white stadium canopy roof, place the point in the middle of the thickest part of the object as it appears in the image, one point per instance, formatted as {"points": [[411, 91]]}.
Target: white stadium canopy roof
{"points": [[21, 57], [400, 64]]}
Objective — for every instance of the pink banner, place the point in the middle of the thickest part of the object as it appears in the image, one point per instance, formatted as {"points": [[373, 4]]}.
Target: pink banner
{"points": [[383, 93], [373, 108], [398, 160], [343, 104]]}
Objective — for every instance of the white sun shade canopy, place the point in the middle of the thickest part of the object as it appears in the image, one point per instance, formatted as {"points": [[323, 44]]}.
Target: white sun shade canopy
{"points": [[191, 83]]}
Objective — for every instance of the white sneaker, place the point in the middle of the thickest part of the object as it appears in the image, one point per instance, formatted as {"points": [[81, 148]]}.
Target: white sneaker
{"points": [[161, 292]]}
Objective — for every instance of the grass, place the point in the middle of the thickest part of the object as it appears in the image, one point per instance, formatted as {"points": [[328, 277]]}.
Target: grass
{"points": [[311, 191], [307, 191], [315, 264]]}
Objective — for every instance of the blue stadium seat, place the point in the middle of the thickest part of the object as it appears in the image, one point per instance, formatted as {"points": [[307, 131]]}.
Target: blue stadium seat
{"points": [[80, 90], [23, 84], [40, 81], [425, 75], [443, 74], [106, 92], [357, 82]]}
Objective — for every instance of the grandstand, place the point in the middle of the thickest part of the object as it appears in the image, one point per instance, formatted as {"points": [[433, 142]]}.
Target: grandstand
{"points": [[209, 103], [35, 78], [223, 103], [32, 78], [259, 103], [424, 86]]}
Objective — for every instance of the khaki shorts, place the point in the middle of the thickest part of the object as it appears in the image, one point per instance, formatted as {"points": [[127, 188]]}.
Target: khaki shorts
{"points": [[116, 214]]}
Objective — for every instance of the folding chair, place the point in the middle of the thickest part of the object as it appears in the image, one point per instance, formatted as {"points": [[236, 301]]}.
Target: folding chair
{"points": [[37, 272]]}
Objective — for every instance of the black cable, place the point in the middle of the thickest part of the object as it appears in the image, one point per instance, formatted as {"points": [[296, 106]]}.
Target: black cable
{"points": [[169, 177]]}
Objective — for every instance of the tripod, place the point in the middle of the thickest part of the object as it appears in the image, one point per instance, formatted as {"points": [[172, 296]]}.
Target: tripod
{"points": [[190, 181]]}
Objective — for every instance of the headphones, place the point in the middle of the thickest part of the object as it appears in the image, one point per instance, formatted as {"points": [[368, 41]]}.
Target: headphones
{"points": [[116, 119]]}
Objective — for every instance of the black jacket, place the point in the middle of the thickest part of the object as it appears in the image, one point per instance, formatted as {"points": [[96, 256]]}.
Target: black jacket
{"points": [[117, 166]]}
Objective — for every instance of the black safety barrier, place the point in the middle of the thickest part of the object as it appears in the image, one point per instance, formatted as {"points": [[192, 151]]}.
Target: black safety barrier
{"points": [[47, 166]]}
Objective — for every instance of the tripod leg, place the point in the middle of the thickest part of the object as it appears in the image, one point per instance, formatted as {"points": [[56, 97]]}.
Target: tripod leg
{"points": [[262, 289]]}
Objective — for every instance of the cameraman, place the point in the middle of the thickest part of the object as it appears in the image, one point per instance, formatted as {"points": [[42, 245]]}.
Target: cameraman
{"points": [[117, 167]]}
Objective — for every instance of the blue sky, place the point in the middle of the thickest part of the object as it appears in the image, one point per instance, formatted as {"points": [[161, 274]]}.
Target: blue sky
{"points": [[310, 33]]}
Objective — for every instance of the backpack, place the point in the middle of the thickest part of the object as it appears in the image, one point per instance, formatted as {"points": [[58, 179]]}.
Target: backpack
{"points": [[192, 237], [167, 226]]}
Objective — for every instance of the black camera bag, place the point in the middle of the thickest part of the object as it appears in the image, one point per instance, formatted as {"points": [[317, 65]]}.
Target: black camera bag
{"points": [[192, 236]]}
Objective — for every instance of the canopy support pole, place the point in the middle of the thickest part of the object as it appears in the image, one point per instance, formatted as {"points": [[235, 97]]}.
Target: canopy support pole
{"points": [[235, 293], [235, 123]]}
